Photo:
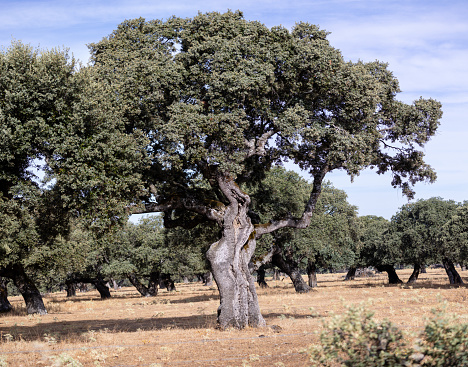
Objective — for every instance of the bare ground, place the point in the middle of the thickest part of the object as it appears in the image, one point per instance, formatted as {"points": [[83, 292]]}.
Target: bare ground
{"points": [[179, 328]]}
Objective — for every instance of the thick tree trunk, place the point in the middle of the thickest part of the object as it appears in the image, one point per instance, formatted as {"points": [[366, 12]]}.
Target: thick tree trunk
{"points": [[141, 288], [312, 274], [229, 258], [71, 288], [414, 276], [351, 274], [261, 277], [290, 267], [101, 287], [5, 305], [392, 275], [452, 273], [32, 296]]}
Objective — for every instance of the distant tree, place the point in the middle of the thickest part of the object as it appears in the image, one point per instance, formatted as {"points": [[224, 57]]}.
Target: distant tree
{"points": [[414, 231], [453, 242], [328, 241], [147, 252], [219, 99], [376, 248]]}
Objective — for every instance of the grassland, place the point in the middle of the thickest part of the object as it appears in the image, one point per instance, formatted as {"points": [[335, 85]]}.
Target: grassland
{"points": [[179, 328]]}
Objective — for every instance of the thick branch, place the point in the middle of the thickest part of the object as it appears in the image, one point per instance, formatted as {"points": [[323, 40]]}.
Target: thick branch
{"points": [[291, 222], [214, 214], [258, 148]]}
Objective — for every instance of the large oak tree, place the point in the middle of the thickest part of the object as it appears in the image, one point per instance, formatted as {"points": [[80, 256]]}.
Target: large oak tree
{"points": [[220, 99]]}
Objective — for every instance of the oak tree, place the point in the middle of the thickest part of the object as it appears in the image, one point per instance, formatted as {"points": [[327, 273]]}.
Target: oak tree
{"points": [[219, 99]]}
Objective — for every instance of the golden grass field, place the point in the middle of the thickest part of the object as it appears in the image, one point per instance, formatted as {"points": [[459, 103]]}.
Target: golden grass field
{"points": [[179, 328]]}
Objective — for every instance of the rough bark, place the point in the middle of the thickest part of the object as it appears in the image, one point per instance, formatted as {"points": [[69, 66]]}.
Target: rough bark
{"points": [[415, 274], [229, 258], [31, 295], [312, 274], [392, 275], [291, 268], [261, 277], [71, 288], [452, 273], [351, 274], [5, 305]]}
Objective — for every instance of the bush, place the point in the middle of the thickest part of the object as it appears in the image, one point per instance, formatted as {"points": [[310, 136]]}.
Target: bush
{"points": [[356, 339], [444, 342]]}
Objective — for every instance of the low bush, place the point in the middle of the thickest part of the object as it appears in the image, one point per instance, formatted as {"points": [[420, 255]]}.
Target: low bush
{"points": [[355, 339]]}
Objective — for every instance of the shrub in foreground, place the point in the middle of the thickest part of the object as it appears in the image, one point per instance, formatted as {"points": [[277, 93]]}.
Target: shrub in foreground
{"points": [[356, 339]]}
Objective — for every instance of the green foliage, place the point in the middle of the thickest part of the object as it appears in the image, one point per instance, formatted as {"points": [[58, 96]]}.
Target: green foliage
{"points": [[211, 93], [148, 247], [356, 339], [444, 341], [453, 238], [415, 231], [374, 246], [330, 239]]}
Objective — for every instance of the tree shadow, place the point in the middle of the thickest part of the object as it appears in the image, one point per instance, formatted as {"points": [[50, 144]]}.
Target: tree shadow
{"points": [[417, 285], [84, 330]]}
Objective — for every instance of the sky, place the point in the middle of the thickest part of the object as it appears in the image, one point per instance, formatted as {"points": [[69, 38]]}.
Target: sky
{"points": [[425, 43]]}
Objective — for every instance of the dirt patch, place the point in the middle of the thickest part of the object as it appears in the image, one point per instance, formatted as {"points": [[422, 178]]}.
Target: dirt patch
{"points": [[179, 328]]}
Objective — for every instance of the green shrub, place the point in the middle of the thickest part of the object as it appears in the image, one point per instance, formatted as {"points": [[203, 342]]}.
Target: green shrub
{"points": [[444, 342], [356, 339]]}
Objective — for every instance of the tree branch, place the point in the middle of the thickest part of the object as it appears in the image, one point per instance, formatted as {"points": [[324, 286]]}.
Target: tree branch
{"points": [[304, 221]]}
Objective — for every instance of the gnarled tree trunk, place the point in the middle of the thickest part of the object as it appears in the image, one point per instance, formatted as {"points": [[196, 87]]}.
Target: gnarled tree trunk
{"points": [[452, 273], [32, 296], [392, 275], [415, 274], [229, 258], [312, 274], [5, 305]]}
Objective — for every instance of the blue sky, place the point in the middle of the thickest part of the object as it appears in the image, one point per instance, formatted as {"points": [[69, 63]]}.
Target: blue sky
{"points": [[424, 42]]}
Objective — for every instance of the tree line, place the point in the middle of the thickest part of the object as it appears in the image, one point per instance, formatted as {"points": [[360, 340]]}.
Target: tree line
{"points": [[186, 117]]}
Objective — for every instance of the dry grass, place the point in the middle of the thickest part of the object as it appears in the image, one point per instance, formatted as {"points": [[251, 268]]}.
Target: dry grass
{"points": [[178, 328]]}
